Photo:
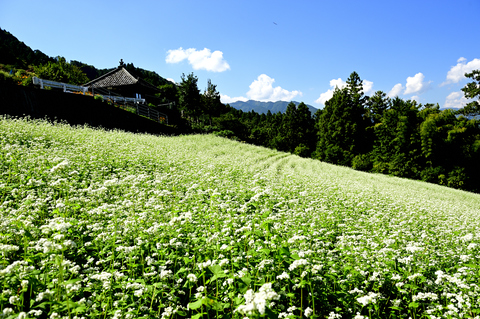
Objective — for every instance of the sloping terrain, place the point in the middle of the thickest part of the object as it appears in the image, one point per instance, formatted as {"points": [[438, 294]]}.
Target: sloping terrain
{"points": [[120, 225]]}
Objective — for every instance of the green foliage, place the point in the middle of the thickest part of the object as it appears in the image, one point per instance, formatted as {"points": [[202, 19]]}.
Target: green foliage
{"points": [[168, 93], [6, 78], [396, 147], [472, 91], [342, 125], [90, 71], [189, 97], [61, 71], [18, 54], [106, 224], [297, 133], [211, 101]]}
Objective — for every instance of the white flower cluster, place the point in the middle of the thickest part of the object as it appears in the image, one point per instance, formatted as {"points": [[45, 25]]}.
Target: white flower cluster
{"points": [[332, 315], [367, 299], [298, 263], [284, 275], [5, 248], [192, 278], [59, 166], [425, 295], [256, 302], [104, 277]]}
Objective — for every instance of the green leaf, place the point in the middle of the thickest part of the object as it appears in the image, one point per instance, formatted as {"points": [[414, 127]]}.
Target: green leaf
{"points": [[413, 304], [195, 305], [198, 315], [284, 251], [247, 280], [265, 251], [217, 272], [181, 270]]}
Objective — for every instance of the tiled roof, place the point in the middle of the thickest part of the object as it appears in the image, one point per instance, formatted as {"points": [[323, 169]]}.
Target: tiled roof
{"points": [[118, 77]]}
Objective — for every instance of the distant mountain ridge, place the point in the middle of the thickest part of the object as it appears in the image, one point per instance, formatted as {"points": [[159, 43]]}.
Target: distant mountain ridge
{"points": [[263, 107]]}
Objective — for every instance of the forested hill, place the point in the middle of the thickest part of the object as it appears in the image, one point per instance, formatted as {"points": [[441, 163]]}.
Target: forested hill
{"points": [[17, 54], [264, 107]]}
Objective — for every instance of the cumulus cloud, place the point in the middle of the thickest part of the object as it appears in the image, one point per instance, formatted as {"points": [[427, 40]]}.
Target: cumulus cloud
{"points": [[262, 89], [199, 59], [396, 90], [325, 96], [367, 87], [416, 84], [171, 80], [227, 99], [456, 100], [457, 72]]}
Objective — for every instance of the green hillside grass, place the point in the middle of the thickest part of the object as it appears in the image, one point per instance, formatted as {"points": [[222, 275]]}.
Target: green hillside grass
{"points": [[97, 224]]}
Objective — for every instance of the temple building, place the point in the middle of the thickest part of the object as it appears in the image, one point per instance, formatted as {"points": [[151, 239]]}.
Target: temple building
{"points": [[121, 82]]}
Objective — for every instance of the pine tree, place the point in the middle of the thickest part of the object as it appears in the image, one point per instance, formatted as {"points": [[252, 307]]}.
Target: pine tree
{"points": [[341, 125]]}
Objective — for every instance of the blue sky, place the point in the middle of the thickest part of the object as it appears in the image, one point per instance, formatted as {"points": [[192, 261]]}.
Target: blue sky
{"points": [[267, 50]]}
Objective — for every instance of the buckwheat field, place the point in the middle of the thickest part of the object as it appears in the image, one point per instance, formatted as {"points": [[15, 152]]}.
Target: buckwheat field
{"points": [[97, 224]]}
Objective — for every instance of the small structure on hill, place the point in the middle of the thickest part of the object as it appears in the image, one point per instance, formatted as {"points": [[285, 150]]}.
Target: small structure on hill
{"points": [[122, 82]]}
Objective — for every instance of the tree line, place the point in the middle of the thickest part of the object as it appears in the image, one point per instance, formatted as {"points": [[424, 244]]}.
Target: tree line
{"points": [[375, 133]]}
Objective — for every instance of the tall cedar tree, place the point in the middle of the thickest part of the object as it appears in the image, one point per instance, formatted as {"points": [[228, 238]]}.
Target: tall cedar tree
{"points": [[342, 125], [189, 97], [297, 134], [397, 144]]}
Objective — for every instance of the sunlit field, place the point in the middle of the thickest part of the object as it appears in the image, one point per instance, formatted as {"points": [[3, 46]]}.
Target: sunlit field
{"points": [[97, 224]]}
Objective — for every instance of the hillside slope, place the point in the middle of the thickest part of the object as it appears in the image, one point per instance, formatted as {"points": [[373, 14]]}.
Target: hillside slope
{"points": [[94, 222]]}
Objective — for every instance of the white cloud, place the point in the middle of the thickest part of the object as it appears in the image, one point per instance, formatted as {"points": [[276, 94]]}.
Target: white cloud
{"points": [[340, 84], [395, 91], [367, 87], [415, 84], [457, 72], [455, 100], [415, 98], [262, 90], [199, 60], [325, 96], [226, 99], [171, 80]]}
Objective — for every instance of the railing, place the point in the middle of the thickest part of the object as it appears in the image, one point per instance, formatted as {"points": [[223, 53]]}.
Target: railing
{"points": [[60, 85], [151, 114], [137, 104], [123, 99]]}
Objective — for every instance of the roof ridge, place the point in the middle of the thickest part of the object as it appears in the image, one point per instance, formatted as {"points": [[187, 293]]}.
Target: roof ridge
{"points": [[119, 75]]}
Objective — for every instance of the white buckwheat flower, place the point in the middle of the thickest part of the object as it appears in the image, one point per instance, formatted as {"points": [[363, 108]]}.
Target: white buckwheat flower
{"points": [[257, 302], [298, 263]]}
